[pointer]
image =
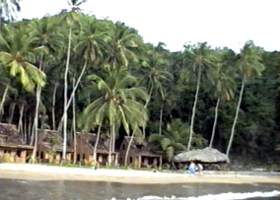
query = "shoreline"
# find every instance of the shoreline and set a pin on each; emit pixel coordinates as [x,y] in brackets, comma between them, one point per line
[38,172]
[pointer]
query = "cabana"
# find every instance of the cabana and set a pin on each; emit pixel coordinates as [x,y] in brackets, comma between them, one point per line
[12,147]
[211,158]
[140,155]
[50,147]
[85,147]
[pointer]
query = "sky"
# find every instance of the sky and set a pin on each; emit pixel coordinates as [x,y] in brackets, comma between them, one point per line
[220,23]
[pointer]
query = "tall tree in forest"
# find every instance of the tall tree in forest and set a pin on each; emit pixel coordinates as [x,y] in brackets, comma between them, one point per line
[223,77]
[250,65]
[45,39]
[90,47]
[71,17]
[200,58]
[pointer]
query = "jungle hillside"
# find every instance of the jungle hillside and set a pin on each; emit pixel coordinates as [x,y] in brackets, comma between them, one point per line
[72,72]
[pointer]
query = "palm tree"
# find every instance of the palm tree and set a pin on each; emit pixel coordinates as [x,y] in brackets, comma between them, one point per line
[16,56]
[45,40]
[70,17]
[4,82]
[201,64]
[250,64]
[8,10]
[90,46]
[224,86]
[119,103]
[124,45]
[155,71]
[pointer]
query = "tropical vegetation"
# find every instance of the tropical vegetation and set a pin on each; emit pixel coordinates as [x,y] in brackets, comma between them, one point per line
[72,65]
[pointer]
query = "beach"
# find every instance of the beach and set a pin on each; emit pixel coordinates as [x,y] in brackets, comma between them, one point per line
[53,173]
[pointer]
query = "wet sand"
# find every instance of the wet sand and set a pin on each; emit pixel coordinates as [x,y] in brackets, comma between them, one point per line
[55,173]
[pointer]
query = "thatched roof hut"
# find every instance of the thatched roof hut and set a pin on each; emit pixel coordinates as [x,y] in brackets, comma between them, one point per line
[140,155]
[86,142]
[50,140]
[207,155]
[12,147]
[9,135]
[85,147]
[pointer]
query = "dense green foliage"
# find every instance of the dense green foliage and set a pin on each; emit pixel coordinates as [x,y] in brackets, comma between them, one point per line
[126,85]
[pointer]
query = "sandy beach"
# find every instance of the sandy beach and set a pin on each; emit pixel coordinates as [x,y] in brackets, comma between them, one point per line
[50,173]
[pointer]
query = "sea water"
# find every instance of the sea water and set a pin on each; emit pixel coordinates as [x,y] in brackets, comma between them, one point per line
[77,190]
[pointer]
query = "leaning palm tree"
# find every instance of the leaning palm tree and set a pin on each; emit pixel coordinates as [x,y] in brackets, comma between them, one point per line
[224,87]
[15,54]
[71,18]
[250,64]
[155,76]
[90,47]
[201,61]
[4,83]
[45,40]
[119,103]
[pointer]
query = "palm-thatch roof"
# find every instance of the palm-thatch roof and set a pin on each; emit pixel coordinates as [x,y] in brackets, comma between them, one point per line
[207,155]
[50,140]
[9,137]
[139,147]
[86,142]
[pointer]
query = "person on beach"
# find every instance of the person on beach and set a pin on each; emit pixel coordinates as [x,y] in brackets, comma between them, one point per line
[200,168]
[192,168]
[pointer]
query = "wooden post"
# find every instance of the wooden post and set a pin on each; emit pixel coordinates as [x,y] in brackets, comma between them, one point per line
[139,161]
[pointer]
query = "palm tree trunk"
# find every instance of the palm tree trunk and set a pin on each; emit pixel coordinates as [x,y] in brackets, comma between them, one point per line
[72,94]
[236,115]
[194,108]
[12,112]
[114,139]
[3,99]
[110,148]
[53,105]
[74,126]
[160,119]
[25,130]
[146,105]
[20,119]
[65,96]
[96,143]
[34,152]
[30,132]
[0,20]
[215,123]
[128,149]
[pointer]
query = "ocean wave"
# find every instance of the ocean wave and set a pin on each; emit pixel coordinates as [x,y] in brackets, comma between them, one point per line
[222,196]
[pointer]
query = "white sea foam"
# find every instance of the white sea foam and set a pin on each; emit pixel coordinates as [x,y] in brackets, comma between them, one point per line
[222,196]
